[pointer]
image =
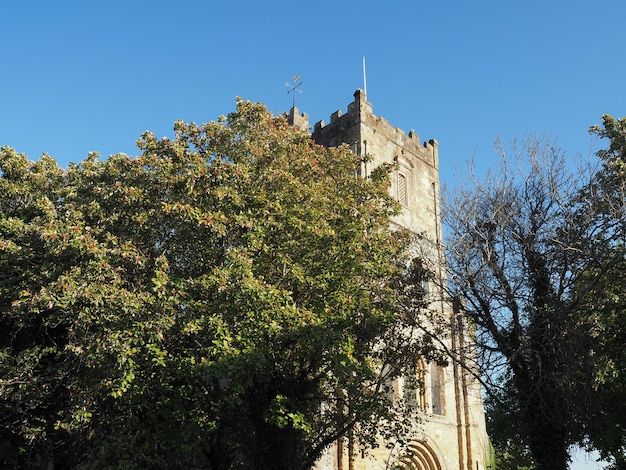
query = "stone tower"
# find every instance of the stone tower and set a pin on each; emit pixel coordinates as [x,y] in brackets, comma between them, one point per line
[450,434]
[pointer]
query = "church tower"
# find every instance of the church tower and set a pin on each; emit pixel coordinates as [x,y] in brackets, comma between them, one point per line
[450,434]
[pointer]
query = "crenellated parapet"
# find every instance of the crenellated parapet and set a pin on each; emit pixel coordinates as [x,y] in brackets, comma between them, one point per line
[360,122]
[297,119]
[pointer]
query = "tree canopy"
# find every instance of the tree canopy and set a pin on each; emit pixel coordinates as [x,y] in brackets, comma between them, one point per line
[229,299]
[605,200]
[529,246]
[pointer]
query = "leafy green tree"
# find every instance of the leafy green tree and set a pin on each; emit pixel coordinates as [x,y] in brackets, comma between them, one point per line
[34,366]
[232,298]
[604,198]
[511,449]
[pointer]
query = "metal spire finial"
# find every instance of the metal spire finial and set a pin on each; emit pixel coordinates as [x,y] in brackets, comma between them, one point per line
[364,79]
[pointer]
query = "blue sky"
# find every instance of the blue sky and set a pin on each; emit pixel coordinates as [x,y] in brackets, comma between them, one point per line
[80,76]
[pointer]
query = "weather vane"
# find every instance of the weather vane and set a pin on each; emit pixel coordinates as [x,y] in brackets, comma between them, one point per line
[293,88]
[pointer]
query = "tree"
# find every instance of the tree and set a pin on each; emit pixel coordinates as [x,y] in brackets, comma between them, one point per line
[603,201]
[232,298]
[511,449]
[34,372]
[522,258]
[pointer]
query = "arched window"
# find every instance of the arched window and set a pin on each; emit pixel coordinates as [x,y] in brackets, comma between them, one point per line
[390,386]
[437,380]
[402,189]
[415,390]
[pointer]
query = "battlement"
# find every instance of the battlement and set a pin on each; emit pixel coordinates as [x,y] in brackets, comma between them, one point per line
[360,124]
[297,119]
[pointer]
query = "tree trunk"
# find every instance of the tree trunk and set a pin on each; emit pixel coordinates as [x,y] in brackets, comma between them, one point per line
[548,442]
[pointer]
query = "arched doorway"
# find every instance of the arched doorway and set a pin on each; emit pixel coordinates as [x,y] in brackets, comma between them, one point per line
[419,456]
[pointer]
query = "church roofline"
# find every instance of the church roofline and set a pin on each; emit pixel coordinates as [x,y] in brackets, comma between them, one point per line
[360,110]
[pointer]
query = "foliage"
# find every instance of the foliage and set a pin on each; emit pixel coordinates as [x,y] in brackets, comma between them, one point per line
[503,415]
[523,258]
[228,299]
[604,199]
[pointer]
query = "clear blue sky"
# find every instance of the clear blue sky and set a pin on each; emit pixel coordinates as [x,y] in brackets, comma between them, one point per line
[77,76]
[80,76]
